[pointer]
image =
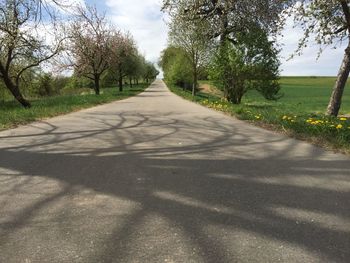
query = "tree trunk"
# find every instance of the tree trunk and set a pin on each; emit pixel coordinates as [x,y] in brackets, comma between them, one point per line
[120,81]
[130,79]
[195,81]
[15,91]
[18,96]
[97,84]
[338,90]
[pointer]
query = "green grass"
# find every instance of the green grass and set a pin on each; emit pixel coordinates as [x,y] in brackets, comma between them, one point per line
[12,114]
[299,113]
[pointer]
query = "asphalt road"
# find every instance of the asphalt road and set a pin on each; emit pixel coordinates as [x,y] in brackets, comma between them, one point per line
[155,178]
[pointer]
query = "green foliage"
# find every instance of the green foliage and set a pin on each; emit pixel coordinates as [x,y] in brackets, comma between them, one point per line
[190,35]
[176,67]
[59,83]
[45,87]
[250,63]
[4,93]
[77,85]
[150,72]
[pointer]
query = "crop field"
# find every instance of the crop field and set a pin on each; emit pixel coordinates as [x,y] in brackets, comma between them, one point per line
[303,95]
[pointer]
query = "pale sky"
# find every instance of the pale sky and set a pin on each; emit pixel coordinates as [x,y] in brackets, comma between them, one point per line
[145,21]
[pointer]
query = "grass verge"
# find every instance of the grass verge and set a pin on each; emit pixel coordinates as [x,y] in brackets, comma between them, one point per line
[12,114]
[331,133]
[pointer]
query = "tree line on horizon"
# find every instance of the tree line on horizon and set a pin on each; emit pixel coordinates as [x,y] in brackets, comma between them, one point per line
[41,40]
[235,43]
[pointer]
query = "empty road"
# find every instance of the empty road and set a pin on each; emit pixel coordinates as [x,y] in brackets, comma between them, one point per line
[155,178]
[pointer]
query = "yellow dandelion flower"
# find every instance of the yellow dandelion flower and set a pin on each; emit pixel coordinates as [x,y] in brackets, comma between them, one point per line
[343,119]
[339,126]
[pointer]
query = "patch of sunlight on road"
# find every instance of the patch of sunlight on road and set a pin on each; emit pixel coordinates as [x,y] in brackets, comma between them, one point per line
[324,220]
[333,183]
[229,176]
[307,181]
[192,202]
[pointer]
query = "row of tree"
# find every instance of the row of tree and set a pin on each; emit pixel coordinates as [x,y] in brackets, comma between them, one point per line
[235,42]
[36,33]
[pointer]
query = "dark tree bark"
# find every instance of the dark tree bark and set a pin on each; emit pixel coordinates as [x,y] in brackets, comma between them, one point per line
[338,90]
[195,80]
[120,81]
[14,89]
[18,96]
[97,84]
[130,80]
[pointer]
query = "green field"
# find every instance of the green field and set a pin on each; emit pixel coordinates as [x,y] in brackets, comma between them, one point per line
[306,95]
[12,114]
[301,95]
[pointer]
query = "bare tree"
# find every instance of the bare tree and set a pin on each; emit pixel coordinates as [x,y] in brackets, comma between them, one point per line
[89,47]
[24,26]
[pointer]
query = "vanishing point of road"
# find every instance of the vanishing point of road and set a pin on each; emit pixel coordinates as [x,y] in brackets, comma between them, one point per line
[155,178]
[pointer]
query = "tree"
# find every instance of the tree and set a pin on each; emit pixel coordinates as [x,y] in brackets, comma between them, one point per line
[176,66]
[22,45]
[191,36]
[251,63]
[90,45]
[226,18]
[150,72]
[122,52]
[328,22]
[233,22]
[135,67]
[45,85]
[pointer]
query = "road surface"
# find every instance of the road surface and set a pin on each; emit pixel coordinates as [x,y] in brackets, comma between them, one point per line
[155,178]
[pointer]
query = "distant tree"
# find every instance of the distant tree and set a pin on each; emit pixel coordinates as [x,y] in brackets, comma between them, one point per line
[122,53]
[176,66]
[22,43]
[90,45]
[191,36]
[45,85]
[328,23]
[150,72]
[135,67]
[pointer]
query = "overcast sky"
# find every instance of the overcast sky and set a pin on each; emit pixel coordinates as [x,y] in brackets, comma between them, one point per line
[145,21]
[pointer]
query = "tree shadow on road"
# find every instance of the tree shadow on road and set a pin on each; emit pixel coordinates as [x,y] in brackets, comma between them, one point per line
[215,189]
